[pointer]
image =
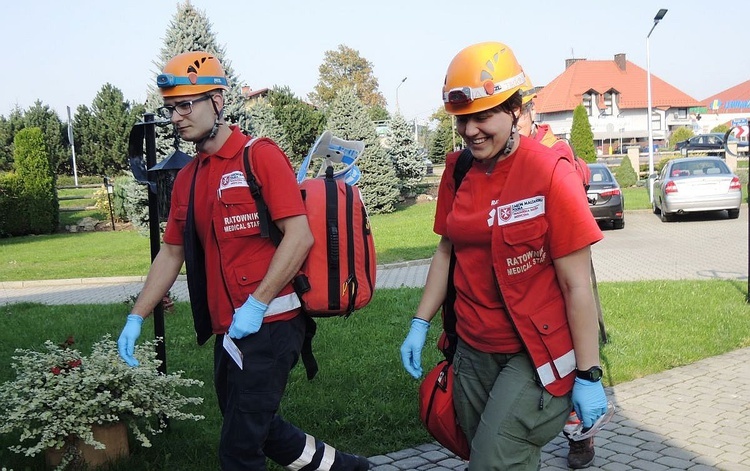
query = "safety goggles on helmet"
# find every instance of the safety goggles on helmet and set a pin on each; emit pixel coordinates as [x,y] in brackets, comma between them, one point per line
[182,108]
[465,95]
[171,80]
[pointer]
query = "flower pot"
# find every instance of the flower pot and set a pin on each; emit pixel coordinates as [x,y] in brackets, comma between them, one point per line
[113,436]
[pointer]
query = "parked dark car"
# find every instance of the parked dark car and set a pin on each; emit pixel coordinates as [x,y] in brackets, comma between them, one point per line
[712,143]
[694,184]
[606,201]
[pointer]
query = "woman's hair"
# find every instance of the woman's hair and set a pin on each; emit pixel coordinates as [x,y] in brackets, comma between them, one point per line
[511,104]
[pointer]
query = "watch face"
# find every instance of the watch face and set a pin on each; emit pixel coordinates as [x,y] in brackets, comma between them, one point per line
[595,373]
[592,374]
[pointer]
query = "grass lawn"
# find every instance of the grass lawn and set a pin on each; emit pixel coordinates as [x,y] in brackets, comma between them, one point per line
[403,235]
[362,400]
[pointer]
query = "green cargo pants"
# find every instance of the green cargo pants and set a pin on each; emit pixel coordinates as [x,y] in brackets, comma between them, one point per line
[506,415]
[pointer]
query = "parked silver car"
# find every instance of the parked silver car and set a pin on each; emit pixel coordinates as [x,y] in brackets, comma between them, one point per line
[695,184]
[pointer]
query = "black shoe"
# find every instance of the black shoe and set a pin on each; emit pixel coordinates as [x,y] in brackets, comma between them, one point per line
[581,454]
[349,462]
[364,464]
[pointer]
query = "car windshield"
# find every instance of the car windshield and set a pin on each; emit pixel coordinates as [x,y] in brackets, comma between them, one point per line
[698,167]
[600,175]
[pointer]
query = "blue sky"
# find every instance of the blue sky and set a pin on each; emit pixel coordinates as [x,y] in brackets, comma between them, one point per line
[63,52]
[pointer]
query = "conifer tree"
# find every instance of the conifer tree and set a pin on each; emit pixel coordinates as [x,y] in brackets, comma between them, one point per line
[348,119]
[263,123]
[38,192]
[407,160]
[581,137]
[190,30]
[101,133]
[302,122]
[46,119]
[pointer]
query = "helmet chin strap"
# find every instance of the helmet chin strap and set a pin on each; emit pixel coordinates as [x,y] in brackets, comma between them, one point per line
[215,128]
[511,140]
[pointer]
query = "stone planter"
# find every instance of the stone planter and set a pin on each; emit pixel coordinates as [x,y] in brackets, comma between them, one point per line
[113,436]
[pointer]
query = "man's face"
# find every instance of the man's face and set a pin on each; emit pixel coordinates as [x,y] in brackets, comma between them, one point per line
[193,116]
[526,119]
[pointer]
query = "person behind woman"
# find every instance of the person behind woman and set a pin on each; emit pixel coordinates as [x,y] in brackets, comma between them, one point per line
[528,347]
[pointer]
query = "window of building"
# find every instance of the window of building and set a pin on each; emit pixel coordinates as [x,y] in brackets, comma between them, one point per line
[588,103]
[655,121]
[609,99]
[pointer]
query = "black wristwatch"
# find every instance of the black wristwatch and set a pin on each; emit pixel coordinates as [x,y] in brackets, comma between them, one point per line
[592,374]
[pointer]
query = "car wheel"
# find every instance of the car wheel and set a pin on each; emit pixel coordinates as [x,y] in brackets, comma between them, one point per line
[733,213]
[618,223]
[655,208]
[666,217]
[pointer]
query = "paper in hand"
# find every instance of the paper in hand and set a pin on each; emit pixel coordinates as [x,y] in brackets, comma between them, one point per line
[233,350]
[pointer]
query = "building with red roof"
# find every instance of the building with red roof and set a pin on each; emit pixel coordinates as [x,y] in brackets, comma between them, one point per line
[615,95]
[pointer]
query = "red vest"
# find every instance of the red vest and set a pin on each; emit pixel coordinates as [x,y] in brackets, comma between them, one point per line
[525,274]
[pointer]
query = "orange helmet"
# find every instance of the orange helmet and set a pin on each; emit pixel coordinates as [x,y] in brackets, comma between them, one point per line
[481,77]
[191,73]
[527,91]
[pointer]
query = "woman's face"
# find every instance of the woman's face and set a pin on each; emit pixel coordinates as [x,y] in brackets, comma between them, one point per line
[486,132]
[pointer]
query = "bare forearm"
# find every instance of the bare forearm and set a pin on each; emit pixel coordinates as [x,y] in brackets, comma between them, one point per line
[574,275]
[161,277]
[288,259]
[437,281]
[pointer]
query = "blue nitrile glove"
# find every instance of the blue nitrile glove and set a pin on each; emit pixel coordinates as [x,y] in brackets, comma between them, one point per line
[128,336]
[589,401]
[411,349]
[247,318]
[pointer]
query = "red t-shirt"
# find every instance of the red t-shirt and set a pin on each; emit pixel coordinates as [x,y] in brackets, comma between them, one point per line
[482,321]
[545,135]
[218,186]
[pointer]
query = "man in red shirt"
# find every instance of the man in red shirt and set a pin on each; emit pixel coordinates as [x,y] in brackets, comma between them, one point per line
[239,282]
[527,126]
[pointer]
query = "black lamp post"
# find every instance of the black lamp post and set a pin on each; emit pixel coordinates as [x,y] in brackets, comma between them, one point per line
[159,179]
[110,189]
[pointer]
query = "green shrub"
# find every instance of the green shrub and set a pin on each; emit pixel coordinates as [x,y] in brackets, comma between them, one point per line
[31,162]
[680,134]
[12,204]
[625,174]
[581,137]
[119,197]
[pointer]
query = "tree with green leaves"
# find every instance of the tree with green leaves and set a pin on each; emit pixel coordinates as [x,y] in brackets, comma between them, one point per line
[407,160]
[345,68]
[348,119]
[445,138]
[680,134]
[263,123]
[581,137]
[101,133]
[55,134]
[8,128]
[32,165]
[302,122]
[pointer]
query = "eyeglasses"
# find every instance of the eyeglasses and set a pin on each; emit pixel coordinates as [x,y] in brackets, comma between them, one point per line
[182,108]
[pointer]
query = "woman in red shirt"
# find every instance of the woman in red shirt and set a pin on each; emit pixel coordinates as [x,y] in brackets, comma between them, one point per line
[528,347]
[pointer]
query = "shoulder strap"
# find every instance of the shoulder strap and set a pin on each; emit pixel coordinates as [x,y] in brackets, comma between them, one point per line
[463,164]
[267,227]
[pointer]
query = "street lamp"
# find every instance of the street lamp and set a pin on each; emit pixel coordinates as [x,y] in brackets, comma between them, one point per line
[659,15]
[399,86]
